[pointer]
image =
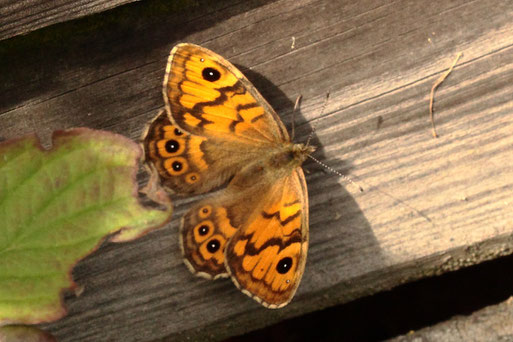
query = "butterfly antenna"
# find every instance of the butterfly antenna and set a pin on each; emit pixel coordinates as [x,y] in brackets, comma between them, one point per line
[349,180]
[310,136]
[325,103]
[346,178]
[329,168]
[296,106]
[418,212]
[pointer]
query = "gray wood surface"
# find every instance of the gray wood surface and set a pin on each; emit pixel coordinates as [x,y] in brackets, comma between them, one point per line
[493,323]
[429,206]
[23,16]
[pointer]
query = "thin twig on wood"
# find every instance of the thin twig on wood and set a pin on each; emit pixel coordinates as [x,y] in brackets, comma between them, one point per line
[296,106]
[432,95]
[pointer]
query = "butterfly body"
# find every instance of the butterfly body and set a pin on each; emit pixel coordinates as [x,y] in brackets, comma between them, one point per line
[217,129]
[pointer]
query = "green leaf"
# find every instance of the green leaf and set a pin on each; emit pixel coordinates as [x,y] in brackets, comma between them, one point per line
[24,333]
[56,206]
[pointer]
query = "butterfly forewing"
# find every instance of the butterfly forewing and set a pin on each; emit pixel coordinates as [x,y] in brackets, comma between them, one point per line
[207,96]
[266,256]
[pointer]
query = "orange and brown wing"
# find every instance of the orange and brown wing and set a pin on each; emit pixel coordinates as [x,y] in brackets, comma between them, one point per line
[210,224]
[205,231]
[266,256]
[207,96]
[190,164]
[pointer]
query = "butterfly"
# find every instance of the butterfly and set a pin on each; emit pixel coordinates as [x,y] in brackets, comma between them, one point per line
[217,130]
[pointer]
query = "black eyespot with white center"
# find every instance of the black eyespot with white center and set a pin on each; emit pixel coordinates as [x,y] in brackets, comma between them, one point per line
[213,246]
[178,132]
[211,74]
[177,166]
[284,265]
[203,230]
[172,146]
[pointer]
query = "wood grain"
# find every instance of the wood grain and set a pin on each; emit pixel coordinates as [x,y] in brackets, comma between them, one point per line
[23,16]
[430,205]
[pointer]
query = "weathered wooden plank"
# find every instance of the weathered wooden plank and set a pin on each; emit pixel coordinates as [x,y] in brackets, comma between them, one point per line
[493,323]
[23,16]
[378,61]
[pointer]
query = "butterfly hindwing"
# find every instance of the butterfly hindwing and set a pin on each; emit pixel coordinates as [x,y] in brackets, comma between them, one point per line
[210,224]
[205,231]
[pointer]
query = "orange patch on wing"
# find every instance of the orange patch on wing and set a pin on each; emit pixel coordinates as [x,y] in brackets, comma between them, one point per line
[203,93]
[265,261]
[191,120]
[224,223]
[220,112]
[243,99]
[251,113]
[264,233]
[168,128]
[242,127]
[188,101]
[240,247]
[286,212]
[275,207]
[196,154]
[249,262]
[218,125]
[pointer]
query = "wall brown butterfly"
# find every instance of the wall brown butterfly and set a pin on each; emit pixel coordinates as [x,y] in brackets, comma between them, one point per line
[217,129]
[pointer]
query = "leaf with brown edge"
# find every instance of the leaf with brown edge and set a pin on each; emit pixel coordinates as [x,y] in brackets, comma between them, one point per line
[56,207]
[24,333]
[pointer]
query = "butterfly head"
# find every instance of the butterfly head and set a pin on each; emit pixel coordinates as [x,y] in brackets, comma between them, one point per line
[300,152]
[290,156]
